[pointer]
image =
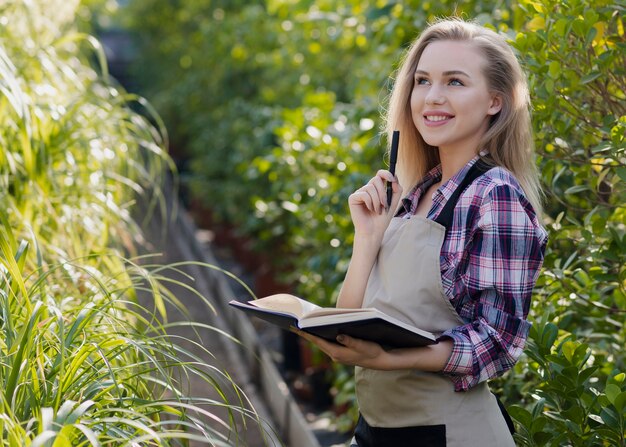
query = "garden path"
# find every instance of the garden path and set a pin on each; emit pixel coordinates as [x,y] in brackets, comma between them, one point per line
[168,241]
[253,362]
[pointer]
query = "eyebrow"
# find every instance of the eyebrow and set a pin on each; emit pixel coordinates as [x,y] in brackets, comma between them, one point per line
[445,73]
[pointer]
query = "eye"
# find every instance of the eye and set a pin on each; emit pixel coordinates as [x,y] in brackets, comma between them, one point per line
[420,80]
[456,82]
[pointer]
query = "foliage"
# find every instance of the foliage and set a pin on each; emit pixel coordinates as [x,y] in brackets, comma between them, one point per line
[570,406]
[75,372]
[267,76]
[82,361]
[277,106]
[576,59]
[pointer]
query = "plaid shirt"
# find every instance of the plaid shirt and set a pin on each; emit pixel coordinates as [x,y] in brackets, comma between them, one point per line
[490,260]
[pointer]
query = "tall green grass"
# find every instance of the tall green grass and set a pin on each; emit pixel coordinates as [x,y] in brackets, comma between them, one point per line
[82,361]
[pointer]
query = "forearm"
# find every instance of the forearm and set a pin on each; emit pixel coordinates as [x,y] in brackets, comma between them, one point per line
[431,358]
[353,351]
[371,217]
[364,252]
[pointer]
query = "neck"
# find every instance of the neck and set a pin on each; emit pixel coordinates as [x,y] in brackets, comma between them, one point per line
[452,162]
[456,155]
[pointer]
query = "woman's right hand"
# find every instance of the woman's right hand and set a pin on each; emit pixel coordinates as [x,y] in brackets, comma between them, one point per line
[368,205]
[371,217]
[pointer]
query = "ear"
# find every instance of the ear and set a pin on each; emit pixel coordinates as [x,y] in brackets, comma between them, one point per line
[496,104]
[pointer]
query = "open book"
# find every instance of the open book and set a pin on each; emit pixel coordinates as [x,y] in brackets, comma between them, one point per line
[286,310]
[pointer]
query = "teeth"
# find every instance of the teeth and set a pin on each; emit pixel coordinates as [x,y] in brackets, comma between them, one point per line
[436,118]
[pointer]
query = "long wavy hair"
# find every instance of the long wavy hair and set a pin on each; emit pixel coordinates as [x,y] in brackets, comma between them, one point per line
[508,141]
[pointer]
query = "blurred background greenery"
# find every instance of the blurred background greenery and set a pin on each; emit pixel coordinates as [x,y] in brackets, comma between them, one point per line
[274,107]
[273,114]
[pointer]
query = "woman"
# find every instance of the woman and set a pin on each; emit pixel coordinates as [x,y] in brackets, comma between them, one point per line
[458,256]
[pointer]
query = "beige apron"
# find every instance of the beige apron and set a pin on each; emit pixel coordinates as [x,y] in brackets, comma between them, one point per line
[406,283]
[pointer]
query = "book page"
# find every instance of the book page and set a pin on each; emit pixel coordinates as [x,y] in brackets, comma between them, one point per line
[322,311]
[285,303]
[324,318]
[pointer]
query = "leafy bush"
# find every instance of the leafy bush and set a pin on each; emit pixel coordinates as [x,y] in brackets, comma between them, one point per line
[277,105]
[576,62]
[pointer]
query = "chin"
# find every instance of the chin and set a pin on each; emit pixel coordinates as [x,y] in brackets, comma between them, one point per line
[433,142]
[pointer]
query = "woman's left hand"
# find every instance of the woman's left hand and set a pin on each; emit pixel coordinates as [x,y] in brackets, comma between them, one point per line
[354,351]
[350,351]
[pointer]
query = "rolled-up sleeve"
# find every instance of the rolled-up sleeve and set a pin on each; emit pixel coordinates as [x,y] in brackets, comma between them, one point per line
[496,276]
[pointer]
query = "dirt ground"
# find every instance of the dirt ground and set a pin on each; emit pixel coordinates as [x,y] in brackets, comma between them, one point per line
[210,346]
[170,240]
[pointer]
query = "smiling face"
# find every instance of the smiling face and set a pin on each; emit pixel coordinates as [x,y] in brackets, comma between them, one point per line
[450,103]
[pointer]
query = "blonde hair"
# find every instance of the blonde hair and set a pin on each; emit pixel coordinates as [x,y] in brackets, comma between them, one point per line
[508,140]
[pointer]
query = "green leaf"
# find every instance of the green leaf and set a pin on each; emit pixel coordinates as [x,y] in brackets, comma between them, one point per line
[608,437]
[612,391]
[575,415]
[542,438]
[19,349]
[536,24]
[591,35]
[520,414]
[590,77]
[43,438]
[620,402]
[573,427]
[538,408]
[548,336]
[571,372]
[554,69]
[585,374]
[568,348]
[578,25]
[561,26]
[558,359]
[581,354]
[610,418]
[619,378]
[576,189]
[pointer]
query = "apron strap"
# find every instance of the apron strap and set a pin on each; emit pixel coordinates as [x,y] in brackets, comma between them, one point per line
[445,216]
[506,415]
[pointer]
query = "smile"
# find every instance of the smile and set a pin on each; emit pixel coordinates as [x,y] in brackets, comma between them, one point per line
[432,120]
[437,117]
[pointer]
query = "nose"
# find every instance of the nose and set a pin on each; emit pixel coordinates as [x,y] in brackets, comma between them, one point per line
[435,96]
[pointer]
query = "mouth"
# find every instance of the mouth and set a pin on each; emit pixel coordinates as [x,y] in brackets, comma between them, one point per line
[438,119]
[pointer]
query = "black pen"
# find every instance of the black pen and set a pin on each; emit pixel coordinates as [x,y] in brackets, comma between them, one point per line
[393,156]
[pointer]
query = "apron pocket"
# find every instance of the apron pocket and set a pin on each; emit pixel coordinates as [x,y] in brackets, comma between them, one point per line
[418,436]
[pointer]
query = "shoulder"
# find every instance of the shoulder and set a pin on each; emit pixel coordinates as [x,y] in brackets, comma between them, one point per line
[497,198]
[499,179]
[497,185]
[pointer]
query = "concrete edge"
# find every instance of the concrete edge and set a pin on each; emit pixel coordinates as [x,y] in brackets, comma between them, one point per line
[264,386]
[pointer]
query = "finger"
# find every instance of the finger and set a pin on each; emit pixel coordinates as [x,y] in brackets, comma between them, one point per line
[381,190]
[396,196]
[376,206]
[344,340]
[361,198]
[324,345]
[302,334]
[385,175]
[351,342]
[364,197]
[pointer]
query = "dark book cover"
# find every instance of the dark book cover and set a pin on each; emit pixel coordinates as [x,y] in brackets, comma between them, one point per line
[371,328]
[386,334]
